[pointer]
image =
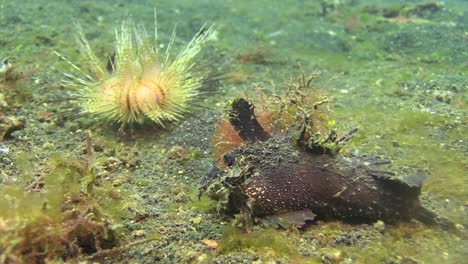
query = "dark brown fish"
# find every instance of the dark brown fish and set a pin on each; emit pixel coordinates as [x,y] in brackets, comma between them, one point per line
[272,175]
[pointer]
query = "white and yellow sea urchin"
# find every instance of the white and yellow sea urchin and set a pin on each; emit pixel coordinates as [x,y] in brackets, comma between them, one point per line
[145,83]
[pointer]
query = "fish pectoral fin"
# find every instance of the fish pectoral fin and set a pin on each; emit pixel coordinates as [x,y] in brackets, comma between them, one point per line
[296,218]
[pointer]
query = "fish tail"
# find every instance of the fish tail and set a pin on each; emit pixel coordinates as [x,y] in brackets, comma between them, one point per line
[429,218]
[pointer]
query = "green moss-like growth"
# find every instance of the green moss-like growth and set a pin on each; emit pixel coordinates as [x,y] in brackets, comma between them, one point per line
[65,214]
[299,110]
[204,203]
[417,139]
[268,244]
[406,242]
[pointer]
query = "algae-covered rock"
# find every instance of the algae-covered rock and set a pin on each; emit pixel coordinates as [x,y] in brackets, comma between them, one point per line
[8,125]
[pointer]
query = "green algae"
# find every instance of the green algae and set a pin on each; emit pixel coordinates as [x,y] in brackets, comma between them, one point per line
[365,244]
[65,213]
[268,245]
[419,139]
[204,203]
[417,245]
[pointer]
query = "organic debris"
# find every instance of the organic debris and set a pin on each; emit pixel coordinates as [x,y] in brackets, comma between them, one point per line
[65,214]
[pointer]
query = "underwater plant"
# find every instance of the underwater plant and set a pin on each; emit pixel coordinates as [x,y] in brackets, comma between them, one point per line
[143,82]
[300,104]
[6,70]
[66,214]
[13,83]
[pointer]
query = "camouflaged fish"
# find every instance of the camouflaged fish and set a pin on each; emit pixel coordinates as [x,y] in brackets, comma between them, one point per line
[270,175]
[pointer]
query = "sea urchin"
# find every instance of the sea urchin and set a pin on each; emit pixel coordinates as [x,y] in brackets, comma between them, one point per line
[145,82]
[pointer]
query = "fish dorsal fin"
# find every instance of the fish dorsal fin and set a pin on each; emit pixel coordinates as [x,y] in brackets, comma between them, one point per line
[415,180]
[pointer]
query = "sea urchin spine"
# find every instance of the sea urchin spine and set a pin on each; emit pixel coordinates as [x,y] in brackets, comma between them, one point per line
[145,82]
